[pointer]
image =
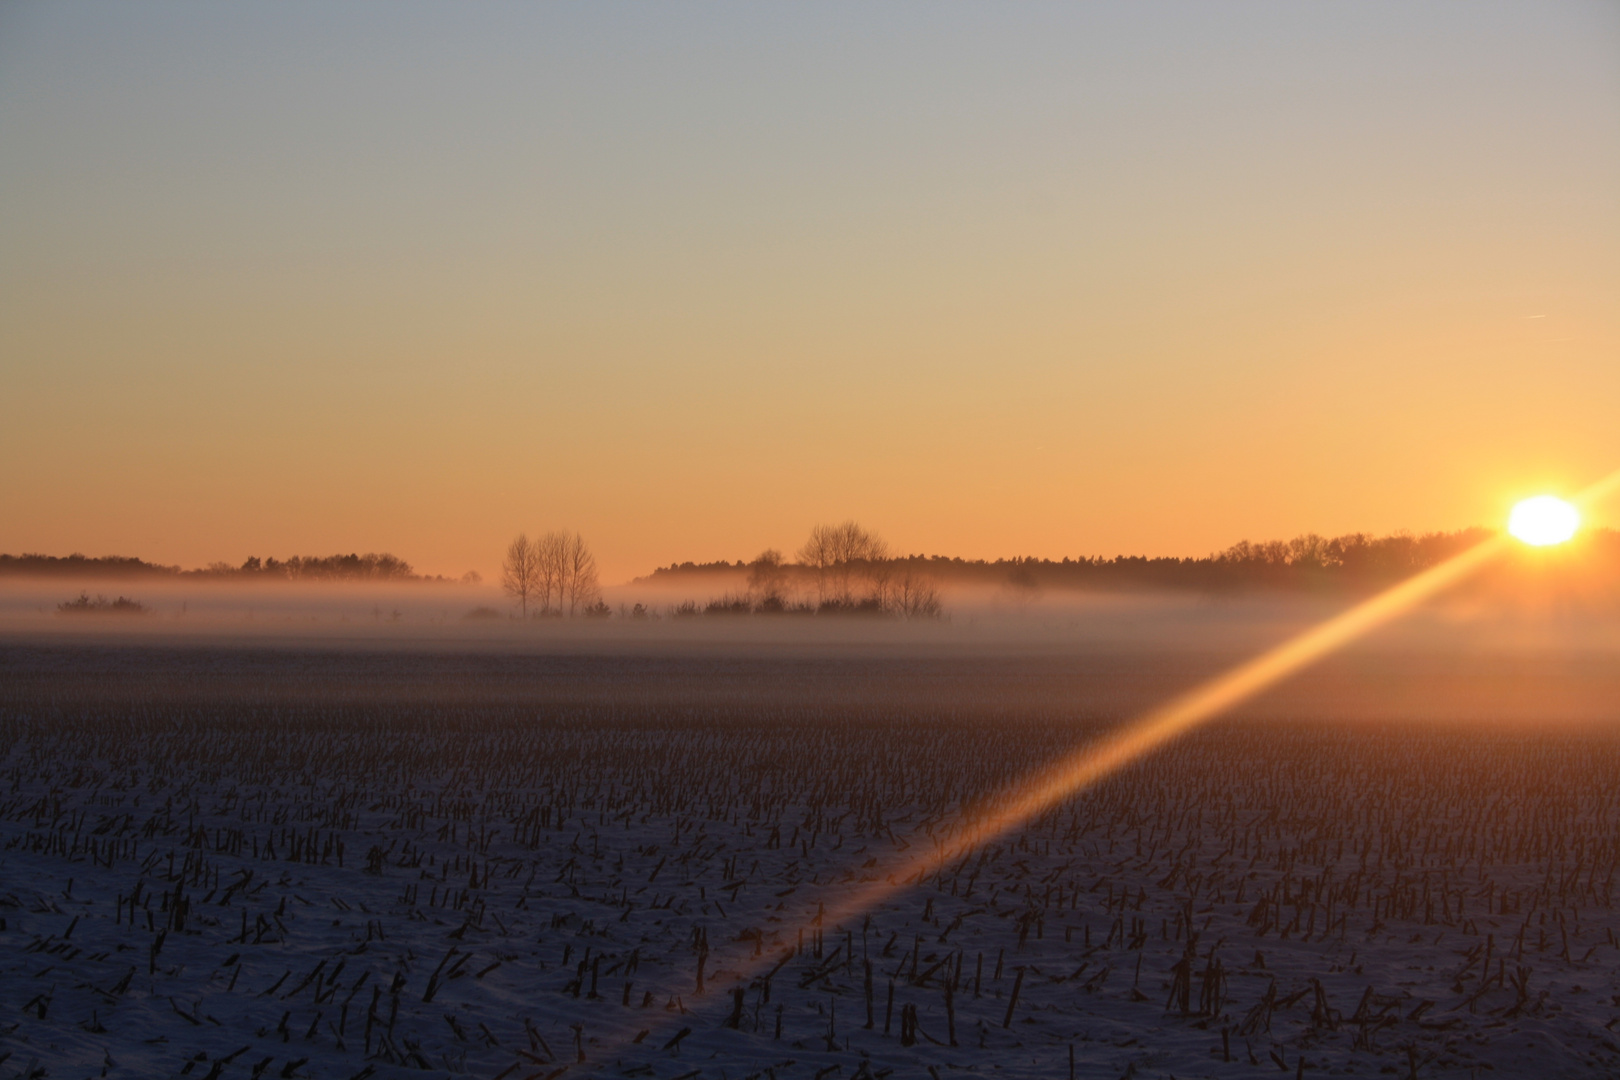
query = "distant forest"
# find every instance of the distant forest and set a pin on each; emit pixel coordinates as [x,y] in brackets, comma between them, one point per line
[1356,562]
[836,568]
[368,567]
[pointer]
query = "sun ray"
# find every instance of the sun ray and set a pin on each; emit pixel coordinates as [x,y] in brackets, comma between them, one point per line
[1090,764]
[1140,737]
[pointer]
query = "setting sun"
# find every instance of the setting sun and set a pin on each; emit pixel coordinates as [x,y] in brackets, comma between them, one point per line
[1544,520]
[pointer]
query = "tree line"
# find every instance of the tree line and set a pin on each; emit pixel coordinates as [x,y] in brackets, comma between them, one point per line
[855,572]
[841,569]
[841,565]
[849,571]
[372,566]
[368,567]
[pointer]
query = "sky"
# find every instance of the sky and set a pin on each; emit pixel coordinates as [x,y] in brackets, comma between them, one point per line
[993,280]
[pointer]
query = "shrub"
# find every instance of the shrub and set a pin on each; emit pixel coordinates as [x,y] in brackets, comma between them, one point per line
[101,606]
[728,605]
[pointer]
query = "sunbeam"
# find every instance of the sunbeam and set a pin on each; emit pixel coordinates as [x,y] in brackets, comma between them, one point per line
[1197,706]
[1019,803]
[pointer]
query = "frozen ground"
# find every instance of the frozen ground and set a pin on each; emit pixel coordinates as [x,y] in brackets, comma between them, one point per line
[228,864]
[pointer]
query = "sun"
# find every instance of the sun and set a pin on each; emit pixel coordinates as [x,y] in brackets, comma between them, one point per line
[1544,520]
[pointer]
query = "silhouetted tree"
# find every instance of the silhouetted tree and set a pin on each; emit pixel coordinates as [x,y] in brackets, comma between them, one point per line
[817,554]
[915,596]
[580,590]
[566,579]
[550,557]
[840,555]
[520,572]
[766,575]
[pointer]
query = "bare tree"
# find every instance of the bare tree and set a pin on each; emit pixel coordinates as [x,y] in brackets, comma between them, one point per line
[564,574]
[551,554]
[841,555]
[817,554]
[916,597]
[579,582]
[765,577]
[520,572]
[861,557]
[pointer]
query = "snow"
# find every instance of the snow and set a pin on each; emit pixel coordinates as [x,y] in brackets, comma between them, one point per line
[290,882]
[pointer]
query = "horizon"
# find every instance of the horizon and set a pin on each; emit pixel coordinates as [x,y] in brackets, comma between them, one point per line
[791,556]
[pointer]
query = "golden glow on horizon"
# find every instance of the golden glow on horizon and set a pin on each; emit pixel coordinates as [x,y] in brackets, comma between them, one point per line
[1018,804]
[1544,520]
[1090,764]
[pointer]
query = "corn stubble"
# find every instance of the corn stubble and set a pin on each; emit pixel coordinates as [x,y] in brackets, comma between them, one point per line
[233,876]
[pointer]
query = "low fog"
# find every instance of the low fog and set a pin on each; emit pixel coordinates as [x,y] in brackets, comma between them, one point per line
[654,612]
[1467,655]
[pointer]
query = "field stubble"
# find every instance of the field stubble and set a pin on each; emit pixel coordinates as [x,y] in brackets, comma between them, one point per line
[272,863]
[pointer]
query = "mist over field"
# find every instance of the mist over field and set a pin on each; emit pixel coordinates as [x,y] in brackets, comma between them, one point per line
[973,617]
[1464,656]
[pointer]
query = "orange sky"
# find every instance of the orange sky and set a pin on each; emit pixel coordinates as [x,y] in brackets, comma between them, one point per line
[1147,279]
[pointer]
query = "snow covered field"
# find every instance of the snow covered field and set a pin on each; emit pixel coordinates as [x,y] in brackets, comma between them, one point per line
[223,864]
